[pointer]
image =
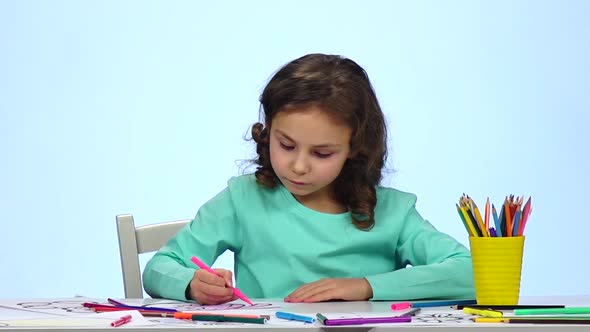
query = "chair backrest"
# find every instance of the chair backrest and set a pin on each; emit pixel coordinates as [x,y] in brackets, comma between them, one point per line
[134,241]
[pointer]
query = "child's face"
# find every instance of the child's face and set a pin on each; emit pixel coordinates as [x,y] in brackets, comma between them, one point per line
[308,149]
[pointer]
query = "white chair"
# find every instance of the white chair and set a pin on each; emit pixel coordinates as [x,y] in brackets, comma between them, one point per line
[134,241]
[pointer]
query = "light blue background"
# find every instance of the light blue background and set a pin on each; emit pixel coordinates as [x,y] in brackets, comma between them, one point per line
[111,107]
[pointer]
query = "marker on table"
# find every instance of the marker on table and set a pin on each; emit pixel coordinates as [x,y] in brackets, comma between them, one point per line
[401,306]
[204,266]
[411,312]
[292,316]
[360,320]
[483,312]
[123,320]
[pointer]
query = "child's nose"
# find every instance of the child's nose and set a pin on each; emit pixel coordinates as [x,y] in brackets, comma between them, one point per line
[300,164]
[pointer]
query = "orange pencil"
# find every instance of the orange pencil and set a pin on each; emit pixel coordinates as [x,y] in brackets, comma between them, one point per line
[508,217]
[487,216]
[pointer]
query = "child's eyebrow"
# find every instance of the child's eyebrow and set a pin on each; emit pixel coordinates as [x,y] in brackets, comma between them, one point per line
[324,145]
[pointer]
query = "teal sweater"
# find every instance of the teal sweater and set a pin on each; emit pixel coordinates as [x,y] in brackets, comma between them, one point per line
[279,245]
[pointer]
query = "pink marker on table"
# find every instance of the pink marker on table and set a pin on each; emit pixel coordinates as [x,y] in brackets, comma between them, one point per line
[401,306]
[121,321]
[204,266]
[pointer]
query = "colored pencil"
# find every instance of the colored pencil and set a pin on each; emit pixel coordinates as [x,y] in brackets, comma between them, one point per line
[526,212]
[497,221]
[554,311]
[480,221]
[441,303]
[487,216]
[508,217]
[508,307]
[464,218]
[224,318]
[543,320]
[509,222]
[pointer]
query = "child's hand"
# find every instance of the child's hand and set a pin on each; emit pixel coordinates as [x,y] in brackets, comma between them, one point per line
[348,289]
[207,288]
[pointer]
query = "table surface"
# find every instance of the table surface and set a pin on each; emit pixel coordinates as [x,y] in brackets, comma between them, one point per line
[16,314]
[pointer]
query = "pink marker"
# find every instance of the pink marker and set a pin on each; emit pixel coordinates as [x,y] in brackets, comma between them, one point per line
[203,266]
[123,320]
[401,306]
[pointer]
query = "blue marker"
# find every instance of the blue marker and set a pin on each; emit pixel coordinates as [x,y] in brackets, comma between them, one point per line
[291,316]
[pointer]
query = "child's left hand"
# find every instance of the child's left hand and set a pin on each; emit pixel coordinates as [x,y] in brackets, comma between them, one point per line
[348,289]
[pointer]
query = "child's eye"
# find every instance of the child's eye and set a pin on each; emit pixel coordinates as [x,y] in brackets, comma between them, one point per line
[323,155]
[286,147]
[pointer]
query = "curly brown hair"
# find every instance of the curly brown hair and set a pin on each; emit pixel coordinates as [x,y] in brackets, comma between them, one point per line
[342,88]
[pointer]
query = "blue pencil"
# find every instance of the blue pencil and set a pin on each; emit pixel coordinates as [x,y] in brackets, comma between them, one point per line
[497,221]
[516,222]
[442,303]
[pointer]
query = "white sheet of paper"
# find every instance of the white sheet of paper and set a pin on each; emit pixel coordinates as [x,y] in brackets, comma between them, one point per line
[94,320]
[56,306]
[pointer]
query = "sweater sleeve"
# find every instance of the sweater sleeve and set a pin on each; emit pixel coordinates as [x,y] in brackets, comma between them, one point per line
[213,231]
[440,266]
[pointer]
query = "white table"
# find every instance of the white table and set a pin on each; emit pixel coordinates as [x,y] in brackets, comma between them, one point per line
[426,320]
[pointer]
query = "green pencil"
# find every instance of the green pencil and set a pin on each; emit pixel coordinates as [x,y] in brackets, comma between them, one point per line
[553,311]
[221,318]
[463,220]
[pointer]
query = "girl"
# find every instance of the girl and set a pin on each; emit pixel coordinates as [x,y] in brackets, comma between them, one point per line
[312,223]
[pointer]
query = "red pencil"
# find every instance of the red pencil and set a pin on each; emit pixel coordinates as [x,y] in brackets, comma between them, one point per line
[508,217]
[526,211]
[143,312]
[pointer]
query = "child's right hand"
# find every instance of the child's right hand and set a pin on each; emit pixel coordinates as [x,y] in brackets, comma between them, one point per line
[207,288]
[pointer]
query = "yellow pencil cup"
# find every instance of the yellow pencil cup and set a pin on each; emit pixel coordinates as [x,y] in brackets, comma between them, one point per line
[497,264]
